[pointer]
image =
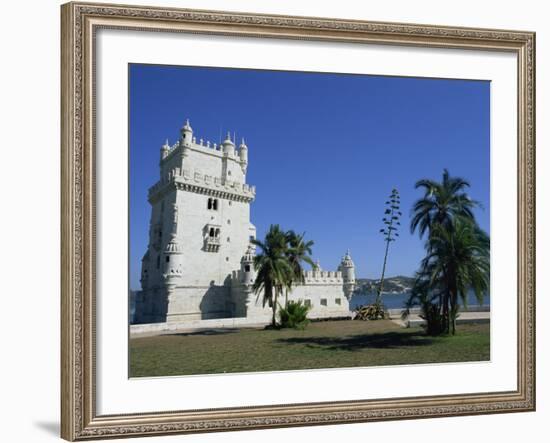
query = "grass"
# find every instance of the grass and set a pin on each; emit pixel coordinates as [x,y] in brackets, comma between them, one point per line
[331,344]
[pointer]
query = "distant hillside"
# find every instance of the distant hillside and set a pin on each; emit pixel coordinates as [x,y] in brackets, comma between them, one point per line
[393,285]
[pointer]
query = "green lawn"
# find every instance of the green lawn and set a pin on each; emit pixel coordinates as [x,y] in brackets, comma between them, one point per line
[331,344]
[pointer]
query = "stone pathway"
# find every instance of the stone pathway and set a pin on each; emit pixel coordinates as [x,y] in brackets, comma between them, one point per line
[465,317]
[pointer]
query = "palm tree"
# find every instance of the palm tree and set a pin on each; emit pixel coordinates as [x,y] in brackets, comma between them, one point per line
[273,268]
[457,261]
[298,251]
[441,203]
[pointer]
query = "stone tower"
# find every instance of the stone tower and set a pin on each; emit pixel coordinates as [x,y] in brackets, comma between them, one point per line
[199,230]
[347,268]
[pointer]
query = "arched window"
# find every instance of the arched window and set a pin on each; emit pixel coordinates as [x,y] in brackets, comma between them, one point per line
[217,233]
[212,232]
[215,204]
[209,203]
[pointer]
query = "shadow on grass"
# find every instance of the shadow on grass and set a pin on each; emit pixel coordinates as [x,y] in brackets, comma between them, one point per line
[205,332]
[386,340]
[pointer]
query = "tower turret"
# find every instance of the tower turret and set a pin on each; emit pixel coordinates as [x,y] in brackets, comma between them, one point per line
[172,253]
[164,150]
[228,146]
[243,155]
[347,268]
[247,266]
[172,260]
[186,133]
[144,280]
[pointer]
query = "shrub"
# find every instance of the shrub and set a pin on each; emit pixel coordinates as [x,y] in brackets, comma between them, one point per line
[375,311]
[294,315]
[430,308]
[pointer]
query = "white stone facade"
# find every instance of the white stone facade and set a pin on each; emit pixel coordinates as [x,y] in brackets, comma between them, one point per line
[199,262]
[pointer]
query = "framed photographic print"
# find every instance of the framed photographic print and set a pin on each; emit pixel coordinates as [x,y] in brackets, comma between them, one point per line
[282,221]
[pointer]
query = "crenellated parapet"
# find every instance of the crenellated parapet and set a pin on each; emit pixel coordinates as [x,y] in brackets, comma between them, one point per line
[318,276]
[225,149]
[195,181]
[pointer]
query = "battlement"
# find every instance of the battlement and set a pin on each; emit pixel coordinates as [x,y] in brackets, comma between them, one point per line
[187,179]
[320,276]
[310,277]
[203,146]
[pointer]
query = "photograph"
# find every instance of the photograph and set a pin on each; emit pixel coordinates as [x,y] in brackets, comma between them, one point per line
[293,218]
[288,220]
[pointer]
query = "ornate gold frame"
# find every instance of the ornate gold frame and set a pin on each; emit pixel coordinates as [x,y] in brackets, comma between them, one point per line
[79,420]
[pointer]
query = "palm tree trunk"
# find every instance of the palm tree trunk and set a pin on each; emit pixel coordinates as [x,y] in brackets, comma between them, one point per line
[274,317]
[454,310]
[446,312]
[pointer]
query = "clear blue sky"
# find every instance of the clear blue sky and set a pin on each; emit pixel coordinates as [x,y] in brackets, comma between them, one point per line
[325,150]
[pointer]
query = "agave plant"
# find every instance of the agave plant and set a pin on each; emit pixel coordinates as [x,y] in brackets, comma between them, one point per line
[375,311]
[392,214]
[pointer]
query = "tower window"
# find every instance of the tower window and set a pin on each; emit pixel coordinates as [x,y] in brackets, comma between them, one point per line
[228,222]
[338,301]
[212,232]
[228,239]
[246,268]
[323,302]
[167,258]
[212,204]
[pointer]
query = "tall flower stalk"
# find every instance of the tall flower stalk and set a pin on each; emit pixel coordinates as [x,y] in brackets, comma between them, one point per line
[391,221]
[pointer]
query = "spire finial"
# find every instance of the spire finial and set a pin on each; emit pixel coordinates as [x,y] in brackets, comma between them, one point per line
[187,125]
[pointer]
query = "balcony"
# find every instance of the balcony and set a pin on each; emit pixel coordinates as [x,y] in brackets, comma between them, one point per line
[212,240]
